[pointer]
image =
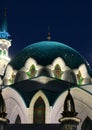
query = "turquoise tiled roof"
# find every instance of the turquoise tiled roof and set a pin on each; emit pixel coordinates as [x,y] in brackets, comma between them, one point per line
[45,52]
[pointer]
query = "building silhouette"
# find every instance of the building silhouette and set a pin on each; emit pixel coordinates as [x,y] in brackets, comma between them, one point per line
[34,85]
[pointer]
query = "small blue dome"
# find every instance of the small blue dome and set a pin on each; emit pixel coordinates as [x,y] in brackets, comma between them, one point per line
[4,35]
[45,52]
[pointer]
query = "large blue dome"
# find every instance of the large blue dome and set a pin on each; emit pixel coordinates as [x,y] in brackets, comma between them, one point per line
[45,52]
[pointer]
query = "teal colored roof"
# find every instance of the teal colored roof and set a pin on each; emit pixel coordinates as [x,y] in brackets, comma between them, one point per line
[45,52]
[28,88]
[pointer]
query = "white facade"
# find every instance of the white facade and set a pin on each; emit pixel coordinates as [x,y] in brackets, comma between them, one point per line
[21,107]
[15,106]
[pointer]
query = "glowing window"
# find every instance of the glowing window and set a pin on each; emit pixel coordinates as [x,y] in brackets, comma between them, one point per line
[4,53]
[80,78]
[57,71]
[39,111]
[0,51]
[32,71]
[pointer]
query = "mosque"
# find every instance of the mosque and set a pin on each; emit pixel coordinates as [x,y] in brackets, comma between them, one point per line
[47,82]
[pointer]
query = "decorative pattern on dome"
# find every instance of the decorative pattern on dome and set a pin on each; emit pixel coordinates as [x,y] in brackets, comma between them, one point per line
[32,71]
[57,71]
[80,78]
[45,52]
[51,59]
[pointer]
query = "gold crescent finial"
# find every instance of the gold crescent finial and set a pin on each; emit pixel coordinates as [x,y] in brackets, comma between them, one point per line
[49,34]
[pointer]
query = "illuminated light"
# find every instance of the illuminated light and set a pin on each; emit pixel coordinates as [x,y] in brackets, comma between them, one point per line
[42,79]
[5,58]
[31,61]
[70,118]
[59,61]
[5,42]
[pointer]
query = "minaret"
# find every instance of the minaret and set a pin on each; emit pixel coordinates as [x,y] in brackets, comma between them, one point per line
[69,120]
[3,119]
[5,43]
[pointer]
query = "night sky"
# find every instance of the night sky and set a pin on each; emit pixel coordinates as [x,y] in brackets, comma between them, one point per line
[70,22]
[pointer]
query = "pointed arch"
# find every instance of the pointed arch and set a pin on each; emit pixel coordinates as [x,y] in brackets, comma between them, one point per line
[39,97]
[15,105]
[18,120]
[39,111]
[87,124]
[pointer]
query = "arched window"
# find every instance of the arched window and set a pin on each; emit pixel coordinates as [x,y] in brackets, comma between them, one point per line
[80,78]
[18,120]
[32,71]
[87,124]
[0,51]
[4,52]
[57,71]
[39,111]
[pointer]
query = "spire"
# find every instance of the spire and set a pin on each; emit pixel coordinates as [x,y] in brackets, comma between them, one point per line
[69,120]
[4,30]
[4,23]
[49,34]
[69,106]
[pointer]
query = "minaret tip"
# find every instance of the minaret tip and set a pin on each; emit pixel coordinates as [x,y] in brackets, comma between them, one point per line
[69,106]
[49,34]
[4,29]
